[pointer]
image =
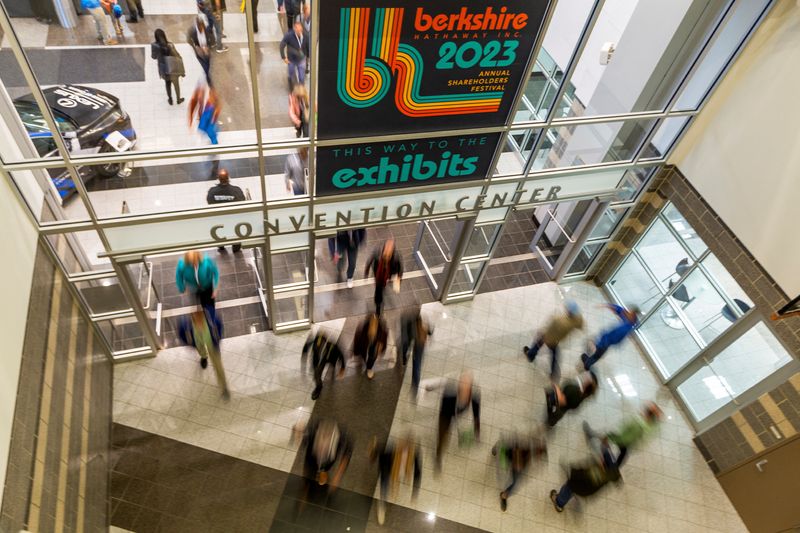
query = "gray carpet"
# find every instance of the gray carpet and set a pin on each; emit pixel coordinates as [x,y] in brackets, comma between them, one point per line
[79,66]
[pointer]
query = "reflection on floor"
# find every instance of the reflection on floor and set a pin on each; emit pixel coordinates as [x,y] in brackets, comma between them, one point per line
[667,485]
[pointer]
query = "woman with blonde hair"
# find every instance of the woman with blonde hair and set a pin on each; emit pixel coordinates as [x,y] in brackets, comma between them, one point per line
[298,109]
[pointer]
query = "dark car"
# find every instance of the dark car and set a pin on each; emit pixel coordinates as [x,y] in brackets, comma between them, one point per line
[90,121]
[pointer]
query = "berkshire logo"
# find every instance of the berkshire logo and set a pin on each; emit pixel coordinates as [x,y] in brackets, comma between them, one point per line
[364,80]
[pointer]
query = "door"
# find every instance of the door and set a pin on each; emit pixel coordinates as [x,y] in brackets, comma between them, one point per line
[766,490]
[557,238]
[437,248]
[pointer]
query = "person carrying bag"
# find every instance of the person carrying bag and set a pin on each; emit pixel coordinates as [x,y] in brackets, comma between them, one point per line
[170,64]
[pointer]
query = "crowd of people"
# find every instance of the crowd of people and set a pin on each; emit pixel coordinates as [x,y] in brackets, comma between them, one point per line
[329,446]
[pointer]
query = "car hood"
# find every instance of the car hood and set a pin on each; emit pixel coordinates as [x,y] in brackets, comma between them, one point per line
[80,104]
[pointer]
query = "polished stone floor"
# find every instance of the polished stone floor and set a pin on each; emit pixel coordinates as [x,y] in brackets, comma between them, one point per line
[667,486]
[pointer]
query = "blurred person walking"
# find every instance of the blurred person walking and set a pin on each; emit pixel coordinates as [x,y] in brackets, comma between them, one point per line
[170,64]
[554,332]
[328,449]
[325,351]
[295,169]
[455,401]
[298,110]
[631,433]
[629,319]
[294,50]
[414,332]
[514,456]
[400,461]
[587,478]
[343,246]
[204,106]
[222,193]
[293,10]
[569,395]
[95,9]
[135,10]
[203,330]
[369,341]
[199,274]
[201,39]
[385,264]
[212,10]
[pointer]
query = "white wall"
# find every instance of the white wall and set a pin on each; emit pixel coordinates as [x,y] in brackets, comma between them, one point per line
[743,151]
[19,249]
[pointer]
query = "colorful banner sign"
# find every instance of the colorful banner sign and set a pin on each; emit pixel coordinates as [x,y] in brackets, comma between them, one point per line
[398,164]
[403,66]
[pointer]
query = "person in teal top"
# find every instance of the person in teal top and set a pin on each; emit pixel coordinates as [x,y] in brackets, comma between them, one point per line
[200,275]
[632,432]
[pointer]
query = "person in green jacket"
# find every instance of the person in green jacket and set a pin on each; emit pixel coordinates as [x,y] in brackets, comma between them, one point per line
[200,275]
[632,432]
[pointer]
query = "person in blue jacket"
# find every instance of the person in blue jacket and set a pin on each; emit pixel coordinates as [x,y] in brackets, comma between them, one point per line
[629,319]
[200,275]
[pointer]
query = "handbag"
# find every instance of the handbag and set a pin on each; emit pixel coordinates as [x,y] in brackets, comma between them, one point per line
[174,63]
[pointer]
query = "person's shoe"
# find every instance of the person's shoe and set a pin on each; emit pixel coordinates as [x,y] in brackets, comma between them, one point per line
[503,502]
[587,429]
[180,100]
[370,374]
[222,50]
[204,362]
[226,394]
[381,512]
[169,100]
[349,283]
[111,42]
[494,453]
[315,393]
[553,495]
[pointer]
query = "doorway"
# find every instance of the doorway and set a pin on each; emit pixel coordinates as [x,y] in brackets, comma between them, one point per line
[240,302]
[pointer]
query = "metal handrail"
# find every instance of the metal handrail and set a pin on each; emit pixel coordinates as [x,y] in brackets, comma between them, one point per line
[553,217]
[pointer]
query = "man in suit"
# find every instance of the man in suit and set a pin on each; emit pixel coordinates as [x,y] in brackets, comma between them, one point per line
[294,51]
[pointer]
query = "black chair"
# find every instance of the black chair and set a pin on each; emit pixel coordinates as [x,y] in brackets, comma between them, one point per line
[728,313]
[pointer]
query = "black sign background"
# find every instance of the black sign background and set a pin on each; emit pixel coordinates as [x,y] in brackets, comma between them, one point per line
[330,160]
[337,119]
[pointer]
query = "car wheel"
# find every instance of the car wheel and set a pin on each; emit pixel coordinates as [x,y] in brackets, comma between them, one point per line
[109,170]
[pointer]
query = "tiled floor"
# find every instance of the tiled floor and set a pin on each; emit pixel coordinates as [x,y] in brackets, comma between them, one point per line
[667,485]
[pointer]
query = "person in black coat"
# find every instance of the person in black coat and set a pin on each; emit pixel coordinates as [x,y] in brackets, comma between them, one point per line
[385,264]
[369,341]
[168,70]
[345,246]
[295,50]
[455,401]
[325,351]
[202,39]
[414,332]
[569,395]
[587,478]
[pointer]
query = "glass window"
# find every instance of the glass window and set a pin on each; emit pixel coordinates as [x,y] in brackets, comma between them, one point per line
[663,254]
[726,281]
[516,152]
[558,46]
[79,251]
[480,242]
[466,276]
[165,185]
[740,22]
[637,55]
[589,144]
[632,182]
[607,223]
[584,258]
[664,138]
[633,285]
[50,194]
[751,358]
[705,308]
[687,233]
[669,343]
